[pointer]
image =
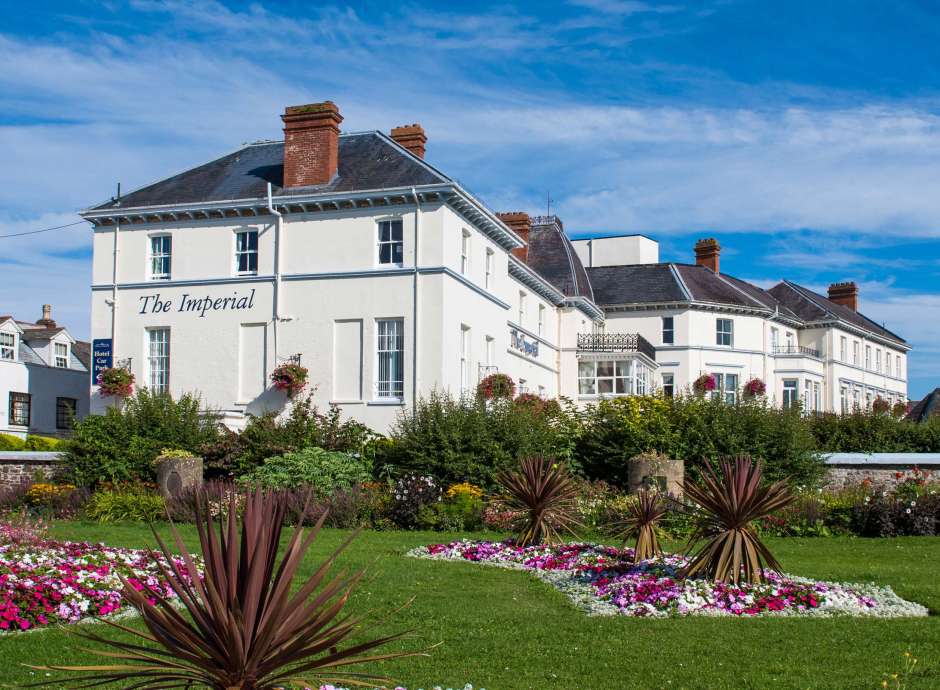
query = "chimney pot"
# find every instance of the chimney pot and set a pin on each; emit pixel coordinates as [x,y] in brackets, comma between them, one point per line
[311,143]
[411,137]
[845,294]
[520,223]
[46,319]
[708,254]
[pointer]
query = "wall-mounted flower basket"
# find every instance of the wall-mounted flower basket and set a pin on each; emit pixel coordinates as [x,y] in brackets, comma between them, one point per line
[754,388]
[496,386]
[290,378]
[880,406]
[116,381]
[704,383]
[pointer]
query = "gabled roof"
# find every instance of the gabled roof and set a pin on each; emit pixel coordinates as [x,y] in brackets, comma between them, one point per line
[82,352]
[811,306]
[367,161]
[926,408]
[551,255]
[665,283]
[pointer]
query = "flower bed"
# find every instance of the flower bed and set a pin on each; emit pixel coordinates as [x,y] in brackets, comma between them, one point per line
[603,581]
[46,582]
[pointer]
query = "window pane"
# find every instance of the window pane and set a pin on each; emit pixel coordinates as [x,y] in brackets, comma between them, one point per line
[605,369]
[385,231]
[385,254]
[587,387]
[398,248]
[605,385]
[586,369]
[396,230]
[624,368]
[621,386]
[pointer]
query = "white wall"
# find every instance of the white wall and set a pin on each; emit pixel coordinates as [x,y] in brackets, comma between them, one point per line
[617,251]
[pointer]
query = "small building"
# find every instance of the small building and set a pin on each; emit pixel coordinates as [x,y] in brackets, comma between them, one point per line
[926,408]
[43,377]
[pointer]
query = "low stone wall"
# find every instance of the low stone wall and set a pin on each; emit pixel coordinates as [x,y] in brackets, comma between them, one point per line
[17,466]
[847,469]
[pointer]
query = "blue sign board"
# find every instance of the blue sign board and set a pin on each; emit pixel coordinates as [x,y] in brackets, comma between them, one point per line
[101,356]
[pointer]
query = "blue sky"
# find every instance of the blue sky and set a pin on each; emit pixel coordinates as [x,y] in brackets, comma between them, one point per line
[804,135]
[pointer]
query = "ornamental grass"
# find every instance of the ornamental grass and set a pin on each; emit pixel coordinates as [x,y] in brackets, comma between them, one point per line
[243,625]
[544,495]
[641,523]
[731,501]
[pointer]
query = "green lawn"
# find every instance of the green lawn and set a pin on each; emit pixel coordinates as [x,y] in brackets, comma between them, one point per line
[503,630]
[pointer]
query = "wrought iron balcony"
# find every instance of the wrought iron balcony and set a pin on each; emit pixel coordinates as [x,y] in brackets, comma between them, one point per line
[616,342]
[795,350]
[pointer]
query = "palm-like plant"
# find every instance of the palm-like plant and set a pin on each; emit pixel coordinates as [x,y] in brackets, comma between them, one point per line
[545,496]
[732,500]
[245,629]
[641,522]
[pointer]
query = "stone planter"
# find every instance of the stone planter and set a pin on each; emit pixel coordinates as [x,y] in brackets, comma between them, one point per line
[654,470]
[178,475]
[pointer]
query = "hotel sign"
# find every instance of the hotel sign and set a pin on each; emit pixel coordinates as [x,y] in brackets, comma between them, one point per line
[152,304]
[518,341]
[102,356]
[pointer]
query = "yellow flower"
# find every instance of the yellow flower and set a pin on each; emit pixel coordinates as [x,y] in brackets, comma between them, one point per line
[464,489]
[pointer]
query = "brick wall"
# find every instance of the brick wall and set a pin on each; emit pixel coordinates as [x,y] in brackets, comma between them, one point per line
[847,469]
[19,466]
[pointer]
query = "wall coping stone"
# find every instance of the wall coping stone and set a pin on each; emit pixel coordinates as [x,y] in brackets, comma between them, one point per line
[871,459]
[28,456]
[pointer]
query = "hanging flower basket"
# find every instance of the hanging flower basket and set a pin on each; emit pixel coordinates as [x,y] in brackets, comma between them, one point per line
[290,378]
[880,406]
[496,386]
[704,383]
[754,388]
[116,381]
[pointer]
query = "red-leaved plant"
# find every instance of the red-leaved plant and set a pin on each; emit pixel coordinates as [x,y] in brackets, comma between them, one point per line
[245,625]
[704,383]
[544,497]
[754,388]
[116,381]
[496,386]
[290,377]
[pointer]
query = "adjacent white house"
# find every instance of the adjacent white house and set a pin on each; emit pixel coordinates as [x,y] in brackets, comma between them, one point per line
[44,377]
[387,279]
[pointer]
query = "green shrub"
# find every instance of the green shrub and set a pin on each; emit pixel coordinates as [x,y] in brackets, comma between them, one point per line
[130,503]
[696,429]
[121,444]
[267,435]
[42,443]
[326,471]
[869,432]
[11,442]
[468,439]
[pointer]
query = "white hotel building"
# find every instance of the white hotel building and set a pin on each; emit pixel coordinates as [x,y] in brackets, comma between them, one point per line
[388,280]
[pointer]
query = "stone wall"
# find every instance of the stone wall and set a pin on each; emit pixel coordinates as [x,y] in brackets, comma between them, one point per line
[847,469]
[19,466]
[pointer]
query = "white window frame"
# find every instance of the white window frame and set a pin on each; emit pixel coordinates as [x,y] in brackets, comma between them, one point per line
[897,369]
[791,393]
[878,361]
[844,399]
[522,307]
[464,252]
[60,361]
[249,252]
[488,269]
[669,326]
[843,349]
[669,385]
[721,334]
[391,242]
[855,352]
[489,350]
[8,349]
[724,390]
[541,323]
[465,382]
[157,357]
[620,373]
[390,342]
[165,254]
[868,357]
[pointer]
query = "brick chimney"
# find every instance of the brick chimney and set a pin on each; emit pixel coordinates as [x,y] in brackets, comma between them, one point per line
[411,137]
[520,223]
[845,294]
[311,143]
[46,319]
[707,253]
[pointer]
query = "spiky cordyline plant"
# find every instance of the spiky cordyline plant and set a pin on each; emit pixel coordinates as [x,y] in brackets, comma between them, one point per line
[245,628]
[641,523]
[545,495]
[732,499]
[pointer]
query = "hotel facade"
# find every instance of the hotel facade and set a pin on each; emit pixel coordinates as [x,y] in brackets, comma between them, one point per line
[387,280]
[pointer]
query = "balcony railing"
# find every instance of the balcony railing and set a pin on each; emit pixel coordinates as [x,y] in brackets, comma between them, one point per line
[616,342]
[795,350]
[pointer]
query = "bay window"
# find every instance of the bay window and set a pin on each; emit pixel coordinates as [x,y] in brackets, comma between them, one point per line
[790,393]
[613,377]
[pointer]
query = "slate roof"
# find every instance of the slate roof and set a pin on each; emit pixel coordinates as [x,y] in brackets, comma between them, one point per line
[811,306]
[82,352]
[663,283]
[551,255]
[926,408]
[368,160]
